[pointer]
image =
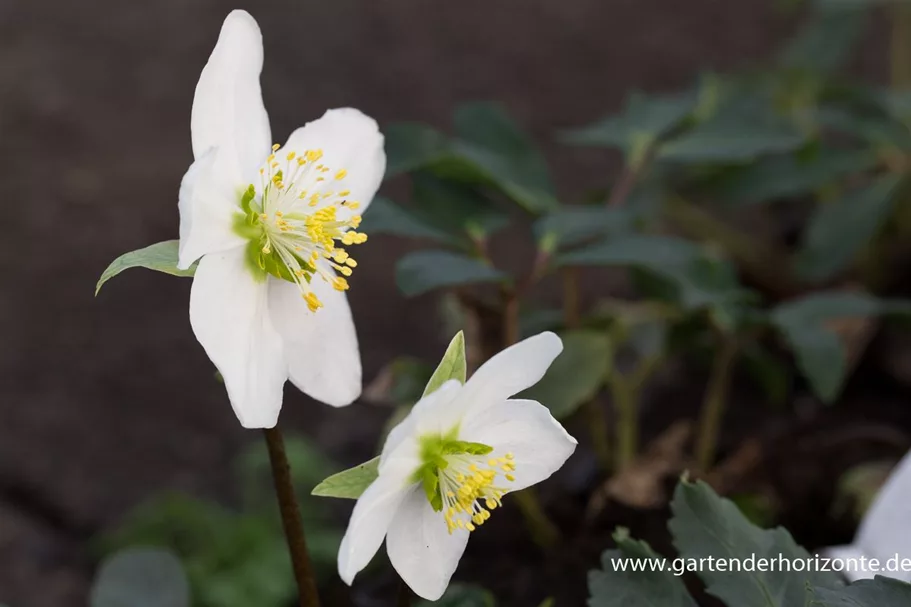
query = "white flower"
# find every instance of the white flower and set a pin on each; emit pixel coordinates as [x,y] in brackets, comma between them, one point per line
[270,225]
[447,466]
[884,532]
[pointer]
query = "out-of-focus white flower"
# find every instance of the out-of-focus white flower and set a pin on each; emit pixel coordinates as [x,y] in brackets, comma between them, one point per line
[269,225]
[446,467]
[884,533]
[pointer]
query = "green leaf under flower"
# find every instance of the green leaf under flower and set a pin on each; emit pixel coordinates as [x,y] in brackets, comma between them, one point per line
[161,257]
[350,483]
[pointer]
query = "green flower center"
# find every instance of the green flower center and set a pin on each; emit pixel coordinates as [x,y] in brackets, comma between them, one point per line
[296,224]
[461,480]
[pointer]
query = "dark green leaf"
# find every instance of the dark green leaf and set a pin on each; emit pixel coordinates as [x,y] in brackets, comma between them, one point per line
[616,585]
[572,225]
[780,177]
[349,483]
[455,208]
[411,146]
[705,525]
[878,592]
[586,358]
[425,271]
[385,217]
[495,145]
[699,278]
[141,577]
[452,365]
[839,230]
[643,121]
[875,129]
[744,129]
[161,257]
[826,41]
[820,354]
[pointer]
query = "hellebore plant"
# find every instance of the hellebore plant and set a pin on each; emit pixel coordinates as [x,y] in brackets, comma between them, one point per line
[271,226]
[447,466]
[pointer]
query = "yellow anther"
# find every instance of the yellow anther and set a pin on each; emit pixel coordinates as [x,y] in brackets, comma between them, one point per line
[313,301]
[350,262]
[270,158]
[314,155]
[291,155]
[301,161]
[341,174]
[345,271]
[510,477]
[344,193]
[275,147]
[354,205]
[339,284]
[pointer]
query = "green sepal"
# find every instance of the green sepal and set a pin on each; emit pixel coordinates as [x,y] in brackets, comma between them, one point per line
[246,202]
[431,482]
[458,446]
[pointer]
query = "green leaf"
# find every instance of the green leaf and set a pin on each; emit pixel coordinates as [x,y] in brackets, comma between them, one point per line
[161,257]
[573,225]
[839,230]
[141,577]
[872,128]
[820,354]
[698,278]
[741,131]
[385,217]
[411,146]
[452,365]
[455,208]
[616,585]
[705,525]
[587,355]
[825,42]
[425,271]
[489,139]
[879,592]
[643,121]
[350,483]
[462,595]
[778,177]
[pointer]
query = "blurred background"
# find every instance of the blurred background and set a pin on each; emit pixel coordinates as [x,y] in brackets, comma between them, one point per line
[107,401]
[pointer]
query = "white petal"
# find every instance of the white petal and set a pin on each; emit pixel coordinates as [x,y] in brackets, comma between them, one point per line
[857,557]
[372,515]
[885,529]
[207,204]
[428,414]
[539,444]
[320,347]
[420,547]
[514,369]
[350,140]
[229,314]
[228,110]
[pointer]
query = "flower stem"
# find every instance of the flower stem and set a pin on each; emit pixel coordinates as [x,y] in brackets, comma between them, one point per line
[543,531]
[571,297]
[713,406]
[291,520]
[627,422]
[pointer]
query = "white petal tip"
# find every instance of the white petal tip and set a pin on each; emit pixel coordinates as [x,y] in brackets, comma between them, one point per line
[240,18]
